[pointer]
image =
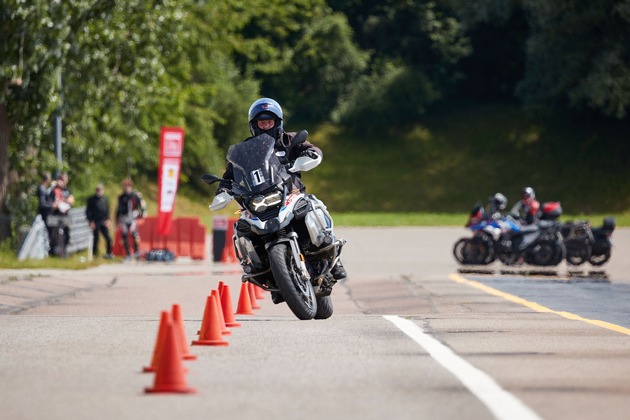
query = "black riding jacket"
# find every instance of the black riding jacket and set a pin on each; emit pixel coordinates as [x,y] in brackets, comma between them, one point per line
[97,210]
[291,153]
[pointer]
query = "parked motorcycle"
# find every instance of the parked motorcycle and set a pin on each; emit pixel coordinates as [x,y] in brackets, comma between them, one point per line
[578,240]
[284,238]
[540,244]
[504,238]
[602,242]
[480,248]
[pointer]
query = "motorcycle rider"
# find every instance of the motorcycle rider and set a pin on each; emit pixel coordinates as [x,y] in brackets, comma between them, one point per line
[266,117]
[527,210]
[496,204]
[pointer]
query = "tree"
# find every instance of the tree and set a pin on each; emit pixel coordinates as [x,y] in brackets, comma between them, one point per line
[415,48]
[578,56]
[107,54]
[320,69]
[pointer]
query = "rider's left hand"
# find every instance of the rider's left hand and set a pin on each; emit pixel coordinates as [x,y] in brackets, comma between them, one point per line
[310,154]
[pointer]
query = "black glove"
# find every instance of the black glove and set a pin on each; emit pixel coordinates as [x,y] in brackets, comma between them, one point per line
[221,190]
[310,153]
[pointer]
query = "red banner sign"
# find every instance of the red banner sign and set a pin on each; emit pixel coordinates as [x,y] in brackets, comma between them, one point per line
[171,150]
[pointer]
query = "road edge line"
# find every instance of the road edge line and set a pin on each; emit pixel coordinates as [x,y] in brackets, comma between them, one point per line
[538,307]
[502,404]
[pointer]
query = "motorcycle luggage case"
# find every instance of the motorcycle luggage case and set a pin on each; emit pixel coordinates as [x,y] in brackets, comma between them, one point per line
[551,210]
[609,224]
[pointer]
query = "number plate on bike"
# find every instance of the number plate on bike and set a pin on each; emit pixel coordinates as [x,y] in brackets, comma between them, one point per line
[257,177]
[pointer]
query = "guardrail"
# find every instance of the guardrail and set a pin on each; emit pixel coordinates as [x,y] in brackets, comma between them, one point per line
[80,232]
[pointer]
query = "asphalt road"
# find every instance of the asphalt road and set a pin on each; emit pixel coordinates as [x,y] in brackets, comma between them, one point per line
[72,344]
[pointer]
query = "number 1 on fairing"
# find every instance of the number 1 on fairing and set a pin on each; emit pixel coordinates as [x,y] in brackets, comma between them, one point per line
[257,177]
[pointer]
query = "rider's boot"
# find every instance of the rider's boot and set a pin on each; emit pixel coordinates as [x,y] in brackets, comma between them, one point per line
[338,272]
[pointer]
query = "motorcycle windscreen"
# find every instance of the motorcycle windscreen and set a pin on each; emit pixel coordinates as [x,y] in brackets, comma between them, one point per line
[255,164]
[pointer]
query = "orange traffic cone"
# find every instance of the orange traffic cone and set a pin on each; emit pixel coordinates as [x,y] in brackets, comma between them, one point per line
[159,342]
[210,327]
[244,303]
[178,323]
[170,375]
[224,330]
[226,305]
[252,296]
[259,293]
[220,288]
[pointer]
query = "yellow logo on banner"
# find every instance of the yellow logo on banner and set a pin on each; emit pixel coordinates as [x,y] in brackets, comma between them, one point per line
[171,173]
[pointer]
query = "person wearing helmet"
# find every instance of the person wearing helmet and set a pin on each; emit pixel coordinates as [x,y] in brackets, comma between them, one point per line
[496,204]
[527,209]
[266,117]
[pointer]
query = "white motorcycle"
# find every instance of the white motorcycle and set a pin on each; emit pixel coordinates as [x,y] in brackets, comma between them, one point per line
[284,238]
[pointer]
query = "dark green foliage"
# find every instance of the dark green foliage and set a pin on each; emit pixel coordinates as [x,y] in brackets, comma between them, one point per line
[323,66]
[578,55]
[386,99]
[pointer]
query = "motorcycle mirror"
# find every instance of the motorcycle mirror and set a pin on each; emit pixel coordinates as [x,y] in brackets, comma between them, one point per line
[210,179]
[299,138]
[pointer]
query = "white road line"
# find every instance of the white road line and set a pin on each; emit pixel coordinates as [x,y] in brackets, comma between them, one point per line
[501,403]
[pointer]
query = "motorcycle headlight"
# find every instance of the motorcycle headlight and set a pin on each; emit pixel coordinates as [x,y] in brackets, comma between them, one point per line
[259,204]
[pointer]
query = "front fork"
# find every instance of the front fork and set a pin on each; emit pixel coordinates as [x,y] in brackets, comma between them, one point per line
[291,238]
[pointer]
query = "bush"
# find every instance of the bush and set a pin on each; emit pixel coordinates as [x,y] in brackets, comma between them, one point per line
[393,95]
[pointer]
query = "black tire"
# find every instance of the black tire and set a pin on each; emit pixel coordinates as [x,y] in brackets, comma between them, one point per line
[297,291]
[578,251]
[547,253]
[599,260]
[324,307]
[458,250]
[503,251]
[477,252]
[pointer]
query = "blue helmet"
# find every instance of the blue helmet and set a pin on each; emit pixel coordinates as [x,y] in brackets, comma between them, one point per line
[266,109]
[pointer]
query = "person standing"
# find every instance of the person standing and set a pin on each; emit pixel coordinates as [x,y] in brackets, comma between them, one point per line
[62,200]
[45,202]
[127,215]
[97,213]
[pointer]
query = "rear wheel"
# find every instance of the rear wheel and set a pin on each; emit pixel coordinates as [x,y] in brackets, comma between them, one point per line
[598,260]
[547,252]
[324,307]
[296,289]
[578,251]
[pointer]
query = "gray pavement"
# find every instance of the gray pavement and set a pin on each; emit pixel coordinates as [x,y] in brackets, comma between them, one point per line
[76,341]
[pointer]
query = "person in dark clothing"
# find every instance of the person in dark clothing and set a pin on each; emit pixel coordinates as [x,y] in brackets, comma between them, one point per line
[62,200]
[266,117]
[45,202]
[129,211]
[269,121]
[527,210]
[97,213]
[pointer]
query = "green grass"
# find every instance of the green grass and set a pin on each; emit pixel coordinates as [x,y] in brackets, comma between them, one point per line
[445,219]
[447,162]
[78,261]
[399,219]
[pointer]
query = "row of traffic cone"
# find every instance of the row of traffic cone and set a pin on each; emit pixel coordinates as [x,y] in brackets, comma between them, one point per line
[171,346]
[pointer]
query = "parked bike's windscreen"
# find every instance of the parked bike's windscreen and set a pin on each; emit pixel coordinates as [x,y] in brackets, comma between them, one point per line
[255,164]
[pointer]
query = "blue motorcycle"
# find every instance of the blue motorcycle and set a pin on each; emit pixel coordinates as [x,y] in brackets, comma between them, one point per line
[504,238]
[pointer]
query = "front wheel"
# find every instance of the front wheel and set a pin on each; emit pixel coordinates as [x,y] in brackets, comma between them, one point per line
[296,289]
[324,307]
